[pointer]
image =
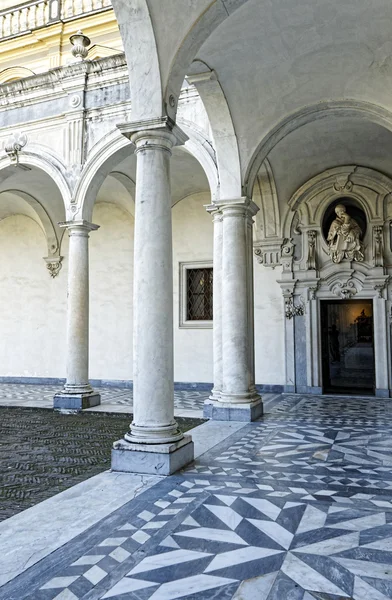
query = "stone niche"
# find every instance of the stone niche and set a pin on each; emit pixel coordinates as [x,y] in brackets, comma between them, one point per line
[310,274]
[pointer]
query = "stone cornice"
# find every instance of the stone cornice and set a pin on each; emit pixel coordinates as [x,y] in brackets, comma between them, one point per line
[58,75]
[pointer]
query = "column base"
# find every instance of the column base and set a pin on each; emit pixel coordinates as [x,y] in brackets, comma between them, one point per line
[152,459]
[229,411]
[76,402]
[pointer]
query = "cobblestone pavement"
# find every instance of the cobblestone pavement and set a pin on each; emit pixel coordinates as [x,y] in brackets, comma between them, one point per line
[296,506]
[113,399]
[43,453]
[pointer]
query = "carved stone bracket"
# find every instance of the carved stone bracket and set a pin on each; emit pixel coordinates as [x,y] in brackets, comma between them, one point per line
[53,264]
[268,252]
[14,145]
[287,254]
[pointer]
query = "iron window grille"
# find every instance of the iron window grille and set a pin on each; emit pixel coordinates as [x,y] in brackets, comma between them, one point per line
[199,294]
[196,295]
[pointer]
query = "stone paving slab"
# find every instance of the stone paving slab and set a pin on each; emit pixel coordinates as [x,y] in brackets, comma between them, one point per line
[298,505]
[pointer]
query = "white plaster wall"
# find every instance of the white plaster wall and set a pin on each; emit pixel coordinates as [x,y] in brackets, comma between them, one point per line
[33,305]
[269,326]
[192,241]
[111,291]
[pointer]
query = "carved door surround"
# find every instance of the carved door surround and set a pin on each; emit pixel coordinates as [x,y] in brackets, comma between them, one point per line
[314,277]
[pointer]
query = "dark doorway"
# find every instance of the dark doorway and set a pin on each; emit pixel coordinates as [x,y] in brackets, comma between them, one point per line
[347,346]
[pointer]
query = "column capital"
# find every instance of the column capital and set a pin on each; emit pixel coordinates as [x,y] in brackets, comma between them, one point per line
[237,207]
[80,227]
[215,211]
[153,132]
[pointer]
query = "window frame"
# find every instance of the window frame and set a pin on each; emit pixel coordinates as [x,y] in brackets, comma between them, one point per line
[185,323]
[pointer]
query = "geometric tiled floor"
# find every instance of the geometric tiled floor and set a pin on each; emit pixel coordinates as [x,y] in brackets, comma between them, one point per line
[297,506]
[113,399]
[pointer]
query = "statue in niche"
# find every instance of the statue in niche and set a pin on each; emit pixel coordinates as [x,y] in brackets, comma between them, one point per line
[344,237]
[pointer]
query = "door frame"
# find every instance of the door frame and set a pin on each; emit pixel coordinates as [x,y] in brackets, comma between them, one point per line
[325,372]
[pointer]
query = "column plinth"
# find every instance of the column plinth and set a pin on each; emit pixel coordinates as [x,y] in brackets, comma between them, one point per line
[238,399]
[154,443]
[77,393]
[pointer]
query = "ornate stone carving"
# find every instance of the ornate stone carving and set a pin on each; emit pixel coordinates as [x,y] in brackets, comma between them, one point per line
[80,43]
[381,286]
[259,255]
[287,253]
[344,237]
[343,183]
[313,291]
[268,252]
[14,145]
[290,309]
[54,264]
[311,262]
[378,246]
[345,290]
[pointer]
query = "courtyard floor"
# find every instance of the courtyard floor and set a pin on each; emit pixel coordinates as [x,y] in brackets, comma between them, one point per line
[297,506]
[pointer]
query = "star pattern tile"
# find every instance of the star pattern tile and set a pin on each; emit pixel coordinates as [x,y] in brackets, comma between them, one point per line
[298,505]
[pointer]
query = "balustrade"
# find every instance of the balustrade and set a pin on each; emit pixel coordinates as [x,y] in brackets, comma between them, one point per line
[39,13]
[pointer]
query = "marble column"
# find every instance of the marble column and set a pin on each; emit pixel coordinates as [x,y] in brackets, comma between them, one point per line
[77,393]
[154,443]
[238,399]
[217,301]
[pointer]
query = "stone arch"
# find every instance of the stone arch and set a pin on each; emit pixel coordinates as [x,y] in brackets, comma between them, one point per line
[48,163]
[138,37]
[13,73]
[201,30]
[113,149]
[103,158]
[152,97]
[43,219]
[339,109]
[225,139]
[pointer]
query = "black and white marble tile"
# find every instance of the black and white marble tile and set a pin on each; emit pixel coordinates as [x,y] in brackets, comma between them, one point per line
[297,506]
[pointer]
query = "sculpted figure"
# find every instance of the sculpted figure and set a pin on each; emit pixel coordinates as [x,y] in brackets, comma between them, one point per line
[344,237]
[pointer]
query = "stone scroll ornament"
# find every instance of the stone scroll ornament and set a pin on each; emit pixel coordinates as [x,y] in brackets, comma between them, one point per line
[344,237]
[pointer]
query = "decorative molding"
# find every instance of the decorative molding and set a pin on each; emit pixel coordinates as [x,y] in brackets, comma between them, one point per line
[54,265]
[291,310]
[378,246]
[287,254]
[345,290]
[268,252]
[313,290]
[343,183]
[311,263]
[380,287]
[14,146]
